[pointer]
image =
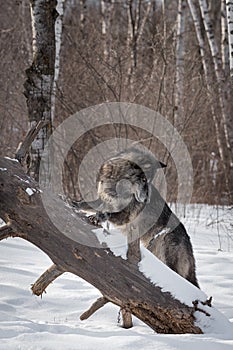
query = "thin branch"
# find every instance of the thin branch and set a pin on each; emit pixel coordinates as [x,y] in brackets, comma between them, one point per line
[46,278]
[31,135]
[100,302]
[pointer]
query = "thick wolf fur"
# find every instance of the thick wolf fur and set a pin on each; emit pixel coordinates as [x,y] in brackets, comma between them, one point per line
[147,212]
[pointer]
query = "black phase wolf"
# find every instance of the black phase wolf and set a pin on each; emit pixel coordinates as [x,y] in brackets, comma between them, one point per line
[129,200]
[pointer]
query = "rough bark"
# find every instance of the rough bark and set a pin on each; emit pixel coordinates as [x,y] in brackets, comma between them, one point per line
[40,76]
[119,281]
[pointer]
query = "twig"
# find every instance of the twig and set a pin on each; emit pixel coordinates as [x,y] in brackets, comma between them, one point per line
[24,146]
[46,278]
[100,302]
[196,308]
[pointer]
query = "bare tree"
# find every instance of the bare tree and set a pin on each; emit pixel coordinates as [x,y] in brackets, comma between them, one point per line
[106,18]
[229,10]
[58,36]
[136,23]
[83,15]
[179,79]
[224,39]
[222,93]
[40,76]
[99,78]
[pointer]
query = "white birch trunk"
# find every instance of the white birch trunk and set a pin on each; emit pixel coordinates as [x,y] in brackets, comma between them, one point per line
[222,90]
[26,34]
[83,10]
[229,8]
[201,43]
[164,23]
[224,39]
[58,35]
[106,16]
[211,39]
[130,37]
[179,78]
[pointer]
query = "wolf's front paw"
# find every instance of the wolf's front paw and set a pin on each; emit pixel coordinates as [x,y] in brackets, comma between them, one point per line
[98,218]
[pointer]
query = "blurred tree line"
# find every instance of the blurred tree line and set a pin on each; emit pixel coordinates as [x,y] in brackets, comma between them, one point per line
[170,56]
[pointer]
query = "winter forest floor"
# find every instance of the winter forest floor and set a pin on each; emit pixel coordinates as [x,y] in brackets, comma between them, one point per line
[29,322]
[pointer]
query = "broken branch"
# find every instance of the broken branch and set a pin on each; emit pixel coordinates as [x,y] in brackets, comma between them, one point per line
[100,302]
[23,147]
[46,278]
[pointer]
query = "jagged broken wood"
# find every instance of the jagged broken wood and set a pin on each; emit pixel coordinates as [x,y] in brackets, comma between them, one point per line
[46,278]
[118,280]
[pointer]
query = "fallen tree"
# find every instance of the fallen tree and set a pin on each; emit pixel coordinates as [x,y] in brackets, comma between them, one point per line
[120,281]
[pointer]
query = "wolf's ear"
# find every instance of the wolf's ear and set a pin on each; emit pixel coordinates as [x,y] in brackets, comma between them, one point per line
[162,165]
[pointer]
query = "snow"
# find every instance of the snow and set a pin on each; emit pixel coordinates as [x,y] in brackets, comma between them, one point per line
[18,177]
[116,241]
[29,322]
[161,275]
[30,191]
[12,159]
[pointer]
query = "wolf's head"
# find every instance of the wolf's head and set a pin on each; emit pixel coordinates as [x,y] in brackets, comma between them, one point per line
[120,181]
[144,159]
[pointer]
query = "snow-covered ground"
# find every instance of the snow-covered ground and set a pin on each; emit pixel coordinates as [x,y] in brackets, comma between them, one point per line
[29,322]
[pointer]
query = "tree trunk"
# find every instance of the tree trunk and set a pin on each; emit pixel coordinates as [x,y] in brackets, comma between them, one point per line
[224,40]
[83,15]
[118,280]
[106,17]
[179,79]
[58,36]
[208,80]
[136,24]
[219,123]
[220,80]
[229,8]
[40,76]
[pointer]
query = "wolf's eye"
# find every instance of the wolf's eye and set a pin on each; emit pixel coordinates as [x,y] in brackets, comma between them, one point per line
[144,179]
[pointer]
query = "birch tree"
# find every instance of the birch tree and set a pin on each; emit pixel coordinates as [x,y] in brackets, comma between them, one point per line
[224,39]
[83,14]
[201,43]
[40,76]
[106,17]
[58,36]
[179,77]
[222,93]
[229,8]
